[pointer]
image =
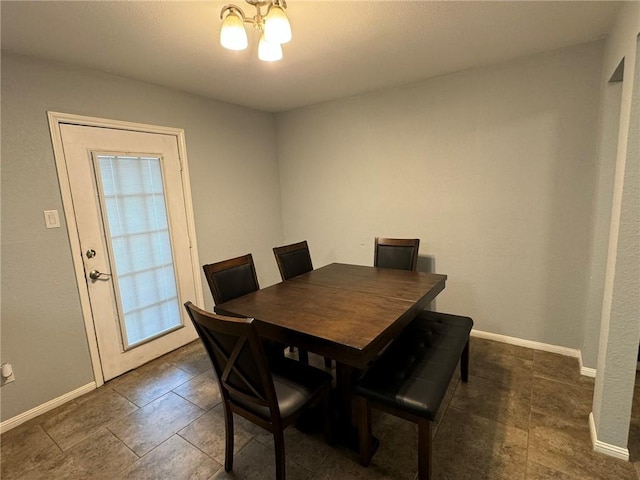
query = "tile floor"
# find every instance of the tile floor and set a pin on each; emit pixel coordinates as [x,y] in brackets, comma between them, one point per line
[523,415]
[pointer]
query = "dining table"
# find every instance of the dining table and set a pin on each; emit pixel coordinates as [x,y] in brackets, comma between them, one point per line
[348,313]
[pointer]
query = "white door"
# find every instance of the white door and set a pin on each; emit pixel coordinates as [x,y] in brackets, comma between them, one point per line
[129,206]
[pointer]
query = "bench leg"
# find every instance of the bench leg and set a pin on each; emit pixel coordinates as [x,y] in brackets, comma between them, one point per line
[464,363]
[424,449]
[365,435]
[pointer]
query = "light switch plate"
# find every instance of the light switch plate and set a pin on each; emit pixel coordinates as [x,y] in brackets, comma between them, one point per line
[51,219]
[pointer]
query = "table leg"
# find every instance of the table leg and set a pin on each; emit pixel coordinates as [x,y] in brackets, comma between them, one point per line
[346,430]
[344,388]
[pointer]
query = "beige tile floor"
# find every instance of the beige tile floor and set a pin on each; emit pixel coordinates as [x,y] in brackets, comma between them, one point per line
[522,415]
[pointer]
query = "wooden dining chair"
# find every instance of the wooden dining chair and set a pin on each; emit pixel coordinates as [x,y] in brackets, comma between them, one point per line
[269,394]
[294,260]
[231,278]
[398,253]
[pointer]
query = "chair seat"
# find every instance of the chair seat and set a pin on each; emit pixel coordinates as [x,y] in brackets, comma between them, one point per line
[413,374]
[295,383]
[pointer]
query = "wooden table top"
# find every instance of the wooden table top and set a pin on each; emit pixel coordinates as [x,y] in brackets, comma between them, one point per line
[346,312]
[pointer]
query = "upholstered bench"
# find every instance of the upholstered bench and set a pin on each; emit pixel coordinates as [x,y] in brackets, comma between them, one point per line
[411,377]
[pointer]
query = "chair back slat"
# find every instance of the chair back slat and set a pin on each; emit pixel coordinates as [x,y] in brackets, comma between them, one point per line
[293,260]
[398,253]
[231,278]
[233,377]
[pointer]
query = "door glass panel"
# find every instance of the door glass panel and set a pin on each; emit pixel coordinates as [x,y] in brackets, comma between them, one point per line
[137,232]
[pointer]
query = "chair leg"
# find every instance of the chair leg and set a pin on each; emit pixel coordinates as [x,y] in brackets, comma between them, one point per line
[328,433]
[365,435]
[228,432]
[278,437]
[464,363]
[424,449]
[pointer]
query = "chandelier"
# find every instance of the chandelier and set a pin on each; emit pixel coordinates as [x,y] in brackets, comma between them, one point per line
[273,26]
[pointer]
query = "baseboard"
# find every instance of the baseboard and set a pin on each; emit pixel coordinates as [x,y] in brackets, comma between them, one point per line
[606,448]
[586,371]
[569,352]
[45,407]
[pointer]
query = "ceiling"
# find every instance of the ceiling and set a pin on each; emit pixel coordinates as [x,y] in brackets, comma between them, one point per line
[338,49]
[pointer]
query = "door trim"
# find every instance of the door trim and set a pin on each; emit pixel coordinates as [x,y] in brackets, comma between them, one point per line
[55,120]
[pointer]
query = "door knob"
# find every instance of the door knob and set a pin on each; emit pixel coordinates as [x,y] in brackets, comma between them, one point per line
[95,274]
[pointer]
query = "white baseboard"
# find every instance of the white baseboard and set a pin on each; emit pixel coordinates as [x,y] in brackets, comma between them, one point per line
[569,352]
[586,371]
[606,448]
[45,407]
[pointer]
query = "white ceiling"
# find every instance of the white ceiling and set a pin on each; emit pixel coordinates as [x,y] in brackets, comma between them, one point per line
[338,48]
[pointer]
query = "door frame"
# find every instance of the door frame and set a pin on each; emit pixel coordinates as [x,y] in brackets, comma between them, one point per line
[55,120]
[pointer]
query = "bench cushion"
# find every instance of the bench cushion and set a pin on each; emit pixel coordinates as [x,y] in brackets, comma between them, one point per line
[413,373]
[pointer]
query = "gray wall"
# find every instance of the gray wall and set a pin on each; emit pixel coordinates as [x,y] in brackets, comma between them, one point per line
[494,169]
[235,187]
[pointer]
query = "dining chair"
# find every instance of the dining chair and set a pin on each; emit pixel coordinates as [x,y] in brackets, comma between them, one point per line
[398,253]
[269,394]
[294,260]
[231,278]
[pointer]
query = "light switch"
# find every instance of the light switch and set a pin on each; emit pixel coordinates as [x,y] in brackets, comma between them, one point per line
[51,219]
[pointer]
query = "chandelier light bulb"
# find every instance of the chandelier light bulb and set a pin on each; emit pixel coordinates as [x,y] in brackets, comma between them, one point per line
[232,34]
[276,26]
[273,27]
[269,52]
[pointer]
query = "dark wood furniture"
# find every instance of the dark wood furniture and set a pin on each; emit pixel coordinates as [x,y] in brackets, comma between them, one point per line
[293,260]
[345,312]
[269,394]
[411,377]
[231,278]
[399,253]
[234,278]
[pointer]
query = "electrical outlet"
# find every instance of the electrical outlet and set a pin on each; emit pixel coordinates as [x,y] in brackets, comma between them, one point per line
[9,379]
[4,369]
